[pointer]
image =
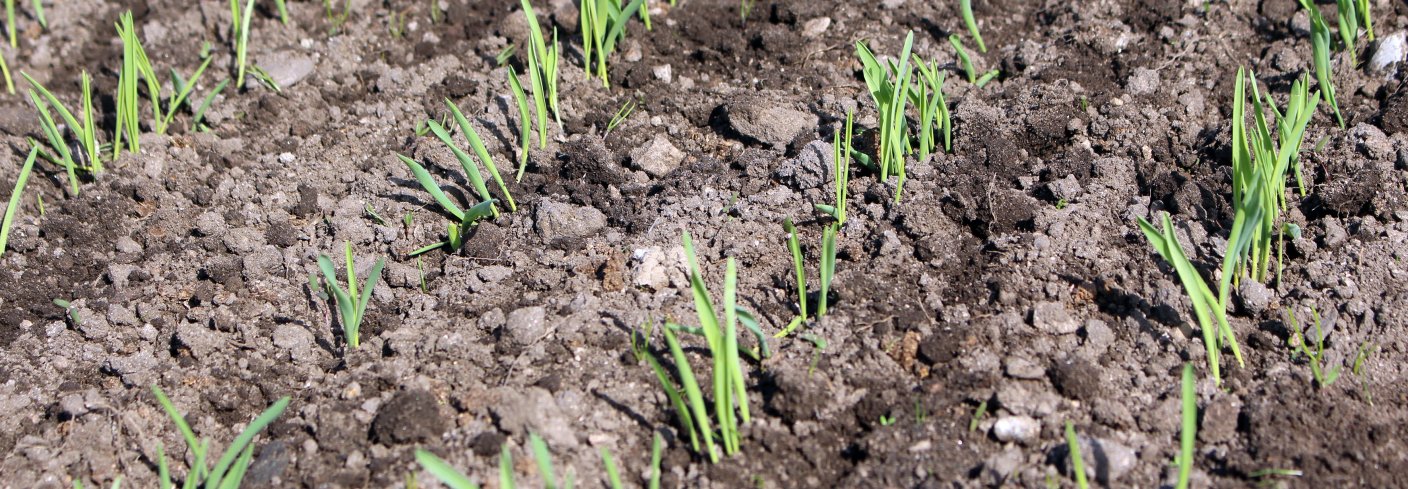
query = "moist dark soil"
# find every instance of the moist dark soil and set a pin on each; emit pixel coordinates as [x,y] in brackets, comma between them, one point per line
[1010,279]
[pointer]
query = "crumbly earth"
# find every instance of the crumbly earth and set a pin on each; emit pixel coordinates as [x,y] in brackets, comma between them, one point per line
[1011,275]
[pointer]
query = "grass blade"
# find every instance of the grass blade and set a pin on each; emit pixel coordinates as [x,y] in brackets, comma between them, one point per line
[13,207]
[1077,463]
[480,151]
[967,7]
[1188,433]
[432,188]
[443,471]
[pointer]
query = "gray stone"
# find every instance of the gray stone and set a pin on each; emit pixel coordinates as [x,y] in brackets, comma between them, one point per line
[557,221]
[1098,335]
[125,244]
[410,416]
[533,409]
[1066,189]
[287,68]
[1372,142]
[999,468]
[137,369]
[1335,234]
[201,341]
[1254,296]
[1023,368]
[658,157]
[1142,81]
[1220,420]
[494,273]
[811,168]
[72,405]
[1105,460]
[816,27]
[1051,317]
[527,325]
[1019,429]
[1390,50]
[211,224]
[296,339]
[243,240]
[765,120]
[663,73]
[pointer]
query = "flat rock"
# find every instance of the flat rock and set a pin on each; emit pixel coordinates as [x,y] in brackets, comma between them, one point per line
[1389,51]
[287,68]
[658,157]
[1051,317]
[559,221]
[525,326]
[765,120]
[410,416]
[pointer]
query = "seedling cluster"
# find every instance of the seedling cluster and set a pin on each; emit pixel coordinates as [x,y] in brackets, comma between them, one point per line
[893,86]
[229,470]
[351,305]
[486,207]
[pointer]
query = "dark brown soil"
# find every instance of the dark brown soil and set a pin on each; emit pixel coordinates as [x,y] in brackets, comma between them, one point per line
[1011,274]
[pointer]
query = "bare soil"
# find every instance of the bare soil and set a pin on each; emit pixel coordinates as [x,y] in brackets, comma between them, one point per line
[1011,274]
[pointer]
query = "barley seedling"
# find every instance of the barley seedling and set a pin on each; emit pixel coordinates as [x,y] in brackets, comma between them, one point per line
[1363,13]
[745,8]
[1314,353]
[978,414]
[888,85]
[229,470]
[505,468]
[334,19]
[61,155]
[967,64]
[1349,27]
[827,270]
[1320,48]
[1188,433]
[351,305]
[543,71]
[477,144]
[464,220]
[1211,314]
[1259,167]
[794,244]
[239,34]
[603,25]
[828,266]
[621,115]
[442,471]
[841,172]
[85,130]
[928,97]
[1073,446]
[818,346]
[5,71]
[683,410]
[12,28]
[525,124]
[657,450]
[613,476]
[142,67]
[283,11]
[966,6]
[14,206]
[544,459]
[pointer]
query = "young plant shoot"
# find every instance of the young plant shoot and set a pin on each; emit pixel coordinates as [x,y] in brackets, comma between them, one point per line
[229,470]
[442,471]
[464,220]
[1211,315]
[888,85]
[1073,447]
[603,25]
[239,29]
[1259,168]
[351,305]
[1320,49]
[12,209]
[841,173]
[543,71]
[794,245]
[1314,353]
[966,6]
[1188,434]
[5,71]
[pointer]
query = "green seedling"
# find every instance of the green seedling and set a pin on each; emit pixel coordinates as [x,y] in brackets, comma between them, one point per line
[888,85]
[351,305]
[887,420]
[613,476]
[603,25]
[264,78]
[978,416]
[61,154]
[239,33]
[1077,463]
[282,7]
[987,77]
[12,209]
[657,451]
[116,483]
[729,389]
[442,471]
[199,115]
[71,310]
[464,220]
[12,27]
[437,13]
[928,97]
[1211,314]
[828,266]
[1349,27]
[1320,49]
[745,8]
[525,124]
[371,213]
[1315,353]
[396,25]
[1363,13]
[1259,167]
[920,413]
[794,245]
[229,470]
[336,19]
[477,144]
[621,115]
[841,173]
[505,468]
[544,459]
[85,130]
[543,61]
[1188,434]
[967,63]
[818,346]
[420,266]
[5,71]
[966,6]
[505,54]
